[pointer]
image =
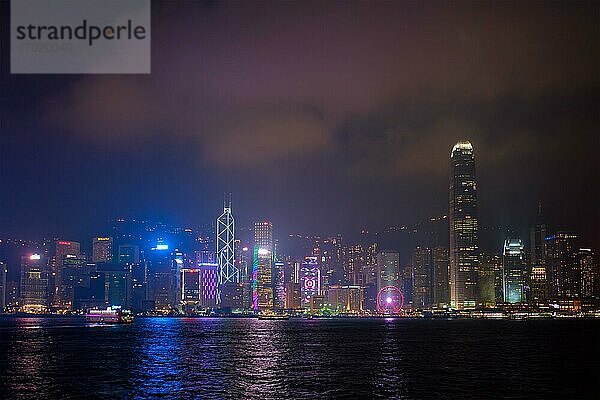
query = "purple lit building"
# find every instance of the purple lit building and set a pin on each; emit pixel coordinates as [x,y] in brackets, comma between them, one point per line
[310,279]
[208,284]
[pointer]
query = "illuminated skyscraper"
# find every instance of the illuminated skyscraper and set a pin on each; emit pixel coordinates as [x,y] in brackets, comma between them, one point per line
[262,271]
[354,262]
[209,276]
[262,274]
[513,271]
[491,280]
[279,284]
[441,267]
[563,269]
[34,284]
[388,269]
[310,280]
[75,278]
[164,278]
[190,288]
[422,265]
[538,274]
[589,273]
[228,271]
[64,248]
[464,243]
[102,249]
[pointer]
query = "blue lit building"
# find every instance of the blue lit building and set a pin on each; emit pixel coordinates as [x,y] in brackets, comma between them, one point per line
[513,271]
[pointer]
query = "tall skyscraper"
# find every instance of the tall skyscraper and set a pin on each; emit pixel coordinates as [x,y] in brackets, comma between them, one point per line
[279,284]
[102,248]
[262,274]
[563,269]
[464,243]
[262,271]
[354,261]
[513,271]
[64,249]
[388,269]
[491,280]
[441,267]
[310,280]
[228,271]
[34,284]
[209,277]
[589,273]
[537,242]
[422,277]
[538,280]
[164,278]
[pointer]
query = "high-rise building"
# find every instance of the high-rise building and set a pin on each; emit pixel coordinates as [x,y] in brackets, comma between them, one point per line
[331,261]
[422,266]
[190,289]
[117,284]
[346,298]
[128,255]
[388,269]
[538,278]
[63,249]
[293,295]
[163,278]
[563,269]
[491,280]
[354,262]
[75,277]
[464,243]
[34,284]
[229,273]
[262,279]
[537,242]
[262,271]
[279,284]
[441,284]
[589,273]
[513,271]
[209,278]
[310,279]
[102,249]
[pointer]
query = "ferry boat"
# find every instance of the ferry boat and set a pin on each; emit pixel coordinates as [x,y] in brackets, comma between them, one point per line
[110,315]
[273,316]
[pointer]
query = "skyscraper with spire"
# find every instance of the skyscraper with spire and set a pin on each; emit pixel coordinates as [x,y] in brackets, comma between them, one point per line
[464,241]
[538,272]
[228,271]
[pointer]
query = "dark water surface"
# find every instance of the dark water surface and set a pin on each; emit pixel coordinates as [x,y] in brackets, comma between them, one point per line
[52,358]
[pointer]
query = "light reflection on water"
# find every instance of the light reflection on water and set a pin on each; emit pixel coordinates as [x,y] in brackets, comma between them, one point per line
[46,358]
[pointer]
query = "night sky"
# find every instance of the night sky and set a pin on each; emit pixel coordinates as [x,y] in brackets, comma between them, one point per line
[323,117]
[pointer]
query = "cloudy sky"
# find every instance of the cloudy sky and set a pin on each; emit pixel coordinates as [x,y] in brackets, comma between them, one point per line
[322,116]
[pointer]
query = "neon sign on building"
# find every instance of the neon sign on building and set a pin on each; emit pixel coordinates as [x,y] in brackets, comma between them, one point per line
[310,279]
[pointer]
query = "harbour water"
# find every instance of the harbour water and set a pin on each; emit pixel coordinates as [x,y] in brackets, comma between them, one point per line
[52,358]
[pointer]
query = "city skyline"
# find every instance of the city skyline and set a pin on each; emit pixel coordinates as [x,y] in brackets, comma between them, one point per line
[275,199]
[329,138]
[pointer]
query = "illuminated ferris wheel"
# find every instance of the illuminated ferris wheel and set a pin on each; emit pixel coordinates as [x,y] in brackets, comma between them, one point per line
[390,300]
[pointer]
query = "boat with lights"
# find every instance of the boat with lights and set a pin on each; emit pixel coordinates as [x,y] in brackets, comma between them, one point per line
[110,315]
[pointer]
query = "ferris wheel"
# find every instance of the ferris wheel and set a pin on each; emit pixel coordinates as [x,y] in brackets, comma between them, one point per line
[390,300]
